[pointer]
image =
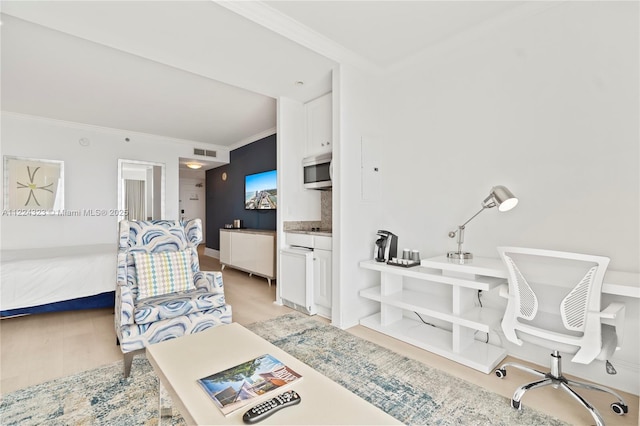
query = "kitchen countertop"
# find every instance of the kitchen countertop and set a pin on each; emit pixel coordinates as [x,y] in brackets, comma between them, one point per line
[324,232]
[250,230]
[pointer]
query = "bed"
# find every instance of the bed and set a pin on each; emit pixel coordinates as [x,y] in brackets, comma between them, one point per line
[57,278]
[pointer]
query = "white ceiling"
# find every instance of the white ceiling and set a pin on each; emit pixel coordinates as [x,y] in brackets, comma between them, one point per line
[157,66]
[154,67]
[55,75]
[387,32]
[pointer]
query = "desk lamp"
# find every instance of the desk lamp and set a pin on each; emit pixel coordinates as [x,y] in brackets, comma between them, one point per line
[499,197]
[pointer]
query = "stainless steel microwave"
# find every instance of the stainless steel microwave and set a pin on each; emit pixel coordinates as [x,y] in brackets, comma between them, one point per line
[317,171]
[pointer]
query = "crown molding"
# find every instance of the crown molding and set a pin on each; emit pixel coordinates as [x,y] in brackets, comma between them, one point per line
[254,138]
[280,23]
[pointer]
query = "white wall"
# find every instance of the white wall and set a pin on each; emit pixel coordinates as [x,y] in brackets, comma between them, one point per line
[90,177]
[547,106]
[357,105]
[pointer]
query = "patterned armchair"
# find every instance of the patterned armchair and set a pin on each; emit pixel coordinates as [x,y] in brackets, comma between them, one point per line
[161,293]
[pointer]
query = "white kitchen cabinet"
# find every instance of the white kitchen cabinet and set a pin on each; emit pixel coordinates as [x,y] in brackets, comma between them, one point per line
[295,281]
[250,250]
[444,295]
[317,292]
[322,281]
[318,124]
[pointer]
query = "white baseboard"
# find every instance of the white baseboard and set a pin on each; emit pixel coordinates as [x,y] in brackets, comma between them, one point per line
[212,253]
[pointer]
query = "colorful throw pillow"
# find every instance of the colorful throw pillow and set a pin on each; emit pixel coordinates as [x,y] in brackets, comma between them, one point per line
[162,273]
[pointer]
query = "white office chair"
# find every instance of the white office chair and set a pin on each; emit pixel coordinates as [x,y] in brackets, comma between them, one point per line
[578,326]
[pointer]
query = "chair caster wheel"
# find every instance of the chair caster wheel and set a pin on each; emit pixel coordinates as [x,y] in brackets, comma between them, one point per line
[619,409]
[516,404]
[501,373]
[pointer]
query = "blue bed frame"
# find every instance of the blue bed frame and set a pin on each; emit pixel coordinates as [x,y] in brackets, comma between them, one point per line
[102,300]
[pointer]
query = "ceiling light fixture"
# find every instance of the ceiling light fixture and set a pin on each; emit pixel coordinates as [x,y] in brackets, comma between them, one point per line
[194,166]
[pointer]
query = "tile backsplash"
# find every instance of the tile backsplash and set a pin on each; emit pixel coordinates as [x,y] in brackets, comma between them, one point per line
[325,217]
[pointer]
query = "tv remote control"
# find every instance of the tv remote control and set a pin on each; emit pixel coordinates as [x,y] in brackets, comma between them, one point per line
[267,408]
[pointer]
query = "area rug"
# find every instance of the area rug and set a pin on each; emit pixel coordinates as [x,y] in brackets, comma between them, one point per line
[101,396]
[406,389]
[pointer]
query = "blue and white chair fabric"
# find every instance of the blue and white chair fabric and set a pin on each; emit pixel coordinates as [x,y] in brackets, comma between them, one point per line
[140,322]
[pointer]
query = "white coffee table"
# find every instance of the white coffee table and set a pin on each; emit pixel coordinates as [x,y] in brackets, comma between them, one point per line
[180,362]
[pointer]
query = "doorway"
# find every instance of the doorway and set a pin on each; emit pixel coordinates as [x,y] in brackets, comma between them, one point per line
[192,194]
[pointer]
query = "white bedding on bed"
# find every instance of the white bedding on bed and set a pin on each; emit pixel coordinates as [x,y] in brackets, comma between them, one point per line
[32,277]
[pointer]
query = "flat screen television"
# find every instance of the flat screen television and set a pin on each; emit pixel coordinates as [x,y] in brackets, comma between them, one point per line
[260,191]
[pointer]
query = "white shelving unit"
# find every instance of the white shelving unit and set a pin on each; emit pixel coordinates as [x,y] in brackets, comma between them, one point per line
[456,306]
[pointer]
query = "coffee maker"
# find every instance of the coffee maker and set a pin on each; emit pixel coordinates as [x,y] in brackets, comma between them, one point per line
[386,246]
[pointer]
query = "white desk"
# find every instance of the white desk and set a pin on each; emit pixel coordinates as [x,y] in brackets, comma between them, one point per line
[615,282]
[622,284]
[454,306]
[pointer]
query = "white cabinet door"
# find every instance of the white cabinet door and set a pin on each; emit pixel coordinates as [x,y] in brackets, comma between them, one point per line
[295,280]
[225,247]
[254,253]
[322,277]
[319,125]
[264,262]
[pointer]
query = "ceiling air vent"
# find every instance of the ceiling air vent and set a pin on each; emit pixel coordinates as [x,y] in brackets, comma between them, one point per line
[205,152]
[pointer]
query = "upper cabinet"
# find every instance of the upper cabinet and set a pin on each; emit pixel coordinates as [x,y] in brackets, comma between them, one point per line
[318,123]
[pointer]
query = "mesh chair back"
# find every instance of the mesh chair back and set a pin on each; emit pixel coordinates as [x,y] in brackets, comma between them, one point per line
[574,307]
[526,299]
[572,304]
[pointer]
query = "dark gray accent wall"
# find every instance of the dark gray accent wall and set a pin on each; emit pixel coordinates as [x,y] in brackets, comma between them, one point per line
[225,199]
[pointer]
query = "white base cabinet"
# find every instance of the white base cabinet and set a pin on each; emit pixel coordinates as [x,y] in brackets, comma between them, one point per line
[296,279]
[318,283]
[445,294]
[322,281]
[250,250]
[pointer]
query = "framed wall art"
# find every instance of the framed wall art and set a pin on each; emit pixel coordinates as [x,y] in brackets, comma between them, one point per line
[33,184]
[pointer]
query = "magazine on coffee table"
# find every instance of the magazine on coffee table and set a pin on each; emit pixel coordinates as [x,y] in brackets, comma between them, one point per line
[237,386]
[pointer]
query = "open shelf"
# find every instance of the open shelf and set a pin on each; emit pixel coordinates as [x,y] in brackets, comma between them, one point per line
[479,282]
[478,355]
[455,306]
[423,303]
[481,319]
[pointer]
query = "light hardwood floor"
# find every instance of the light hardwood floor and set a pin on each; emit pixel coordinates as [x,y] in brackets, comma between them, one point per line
[43,347]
